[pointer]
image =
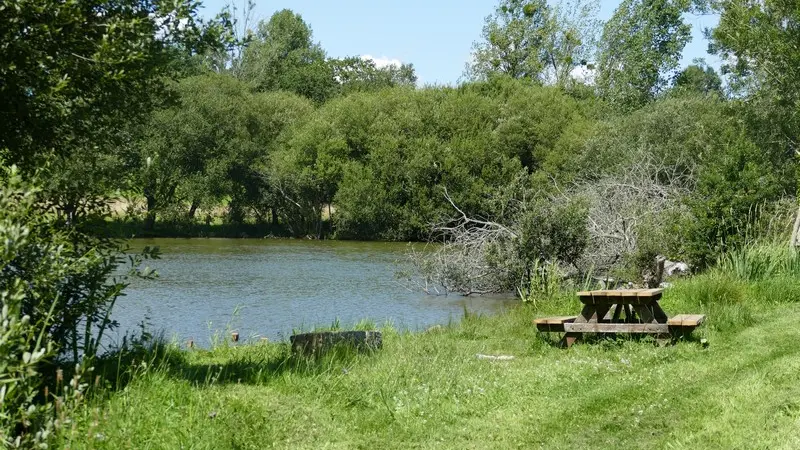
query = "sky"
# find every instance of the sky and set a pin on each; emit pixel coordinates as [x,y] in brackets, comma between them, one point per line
[434,35]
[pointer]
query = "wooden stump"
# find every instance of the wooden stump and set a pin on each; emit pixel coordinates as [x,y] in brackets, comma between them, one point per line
[318,343]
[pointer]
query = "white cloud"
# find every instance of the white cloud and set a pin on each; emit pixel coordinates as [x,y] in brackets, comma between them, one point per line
[383,61]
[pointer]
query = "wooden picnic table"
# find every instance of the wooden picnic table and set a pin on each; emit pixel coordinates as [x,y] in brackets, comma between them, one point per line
[629,311]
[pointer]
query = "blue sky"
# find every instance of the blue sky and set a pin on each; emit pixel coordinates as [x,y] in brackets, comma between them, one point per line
[435,35]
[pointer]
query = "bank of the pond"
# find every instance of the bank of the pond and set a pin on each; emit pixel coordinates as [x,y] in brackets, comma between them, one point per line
[428,390]
[130,228]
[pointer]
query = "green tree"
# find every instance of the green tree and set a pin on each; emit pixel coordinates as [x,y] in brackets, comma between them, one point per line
[356,74]
[210,145]
[283,56]
[758,42]
[640,47]
[513,41]
[529,39]
[68,70]
[697,78]
[384,158]
[573,44]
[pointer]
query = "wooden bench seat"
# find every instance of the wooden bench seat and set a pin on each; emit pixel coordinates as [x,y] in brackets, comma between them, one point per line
[686,320]
[555,324]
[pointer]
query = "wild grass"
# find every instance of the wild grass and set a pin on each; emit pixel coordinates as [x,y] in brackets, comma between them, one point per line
[428,390]
[758,262]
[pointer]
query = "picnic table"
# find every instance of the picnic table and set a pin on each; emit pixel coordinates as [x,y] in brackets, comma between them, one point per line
[628,311]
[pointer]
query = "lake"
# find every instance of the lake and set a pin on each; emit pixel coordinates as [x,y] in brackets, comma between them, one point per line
[268,288]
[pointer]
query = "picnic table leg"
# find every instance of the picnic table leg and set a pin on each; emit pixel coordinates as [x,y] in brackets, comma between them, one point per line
[658,313]
[569,339]
[617,312]
[629,316]
[589,311]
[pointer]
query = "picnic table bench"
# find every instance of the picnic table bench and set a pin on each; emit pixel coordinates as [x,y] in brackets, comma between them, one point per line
[628,311]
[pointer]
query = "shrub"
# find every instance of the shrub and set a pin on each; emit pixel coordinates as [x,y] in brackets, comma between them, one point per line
[69,277]
[32,266]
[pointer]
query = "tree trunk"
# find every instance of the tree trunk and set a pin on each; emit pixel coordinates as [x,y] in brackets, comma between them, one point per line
[795,230]
[274,216]
[193,208]
[150,218]
[330,221]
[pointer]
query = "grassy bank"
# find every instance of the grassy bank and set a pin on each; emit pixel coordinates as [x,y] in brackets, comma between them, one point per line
[429,390]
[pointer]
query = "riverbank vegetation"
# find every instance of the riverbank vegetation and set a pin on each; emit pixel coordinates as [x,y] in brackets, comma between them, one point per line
[571,151]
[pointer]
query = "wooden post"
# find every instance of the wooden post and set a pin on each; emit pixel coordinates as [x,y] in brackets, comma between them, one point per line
[235,336]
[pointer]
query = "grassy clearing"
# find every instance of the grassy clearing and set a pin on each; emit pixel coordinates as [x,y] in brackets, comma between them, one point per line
[428,390]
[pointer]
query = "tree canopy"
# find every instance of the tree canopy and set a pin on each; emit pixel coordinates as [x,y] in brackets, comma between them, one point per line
[640,47]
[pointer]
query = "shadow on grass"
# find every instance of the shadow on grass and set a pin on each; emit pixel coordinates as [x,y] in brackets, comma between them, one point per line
[248,364]
[557,340]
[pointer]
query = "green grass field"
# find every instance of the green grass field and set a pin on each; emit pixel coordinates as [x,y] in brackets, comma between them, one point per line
[428,390]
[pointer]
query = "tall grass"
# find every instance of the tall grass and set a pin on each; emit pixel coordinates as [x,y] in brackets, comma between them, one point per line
[757,262]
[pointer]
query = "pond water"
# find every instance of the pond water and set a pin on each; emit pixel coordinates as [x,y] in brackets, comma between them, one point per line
[268,288]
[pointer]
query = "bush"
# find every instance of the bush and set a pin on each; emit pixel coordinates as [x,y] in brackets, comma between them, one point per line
[70,278]
[32,267]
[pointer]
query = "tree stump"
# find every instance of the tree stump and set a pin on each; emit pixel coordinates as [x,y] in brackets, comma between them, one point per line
[321,342]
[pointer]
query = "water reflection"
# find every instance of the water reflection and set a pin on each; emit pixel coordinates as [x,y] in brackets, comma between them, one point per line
[270,287]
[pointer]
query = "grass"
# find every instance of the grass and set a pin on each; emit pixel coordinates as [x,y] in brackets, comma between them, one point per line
[428,390]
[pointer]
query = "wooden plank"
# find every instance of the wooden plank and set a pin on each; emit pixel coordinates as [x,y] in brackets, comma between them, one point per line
[686,320]
[650,293]
[553,320]
[561,319]
[654,328]
[628,300]
[550,327]
[614,293]
[645,313]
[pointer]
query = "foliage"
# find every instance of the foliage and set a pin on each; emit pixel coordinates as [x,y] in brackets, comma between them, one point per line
[358,74]
[641,45]
[757,42]
[730,189]
[700,79]
[531,40]
[695,152]
[383,158]
[513,41]
[49,288]
[68,67]
[527,239]
[282,56]
[210,146]
[69,277]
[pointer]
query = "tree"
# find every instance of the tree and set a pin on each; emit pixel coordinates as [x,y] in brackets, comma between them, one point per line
[640,46]
[283,56]
[573,45]
[696,78]
[211,145]
[357,74]
[70,70]
[529,39]
[758,41]
[513,41]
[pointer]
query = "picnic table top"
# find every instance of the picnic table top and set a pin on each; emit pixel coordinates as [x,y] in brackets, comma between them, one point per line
[638,293]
